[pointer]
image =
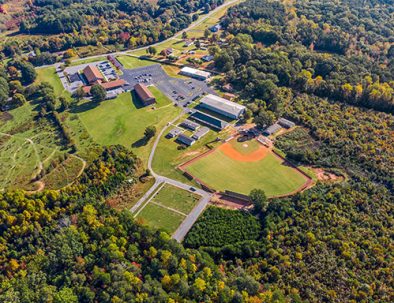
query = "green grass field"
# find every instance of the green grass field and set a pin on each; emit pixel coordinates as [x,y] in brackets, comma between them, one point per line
[132,62]
[123,121]
[49,75]
[168,208]
[269,174]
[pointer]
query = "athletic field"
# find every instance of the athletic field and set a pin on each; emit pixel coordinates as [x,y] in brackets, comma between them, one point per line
[167,208]
[243,166]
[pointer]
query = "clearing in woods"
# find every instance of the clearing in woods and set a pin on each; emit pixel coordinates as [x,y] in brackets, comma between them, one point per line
[167,208]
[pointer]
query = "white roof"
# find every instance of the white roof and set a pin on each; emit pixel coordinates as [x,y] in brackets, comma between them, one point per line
[223,104]
[194,71]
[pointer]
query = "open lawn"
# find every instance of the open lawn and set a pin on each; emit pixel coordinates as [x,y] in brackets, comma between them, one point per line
[123,120]
[168,156]
[132,62]
[270,173]
[173,197]
[168,208]
[49,75]
[161,218]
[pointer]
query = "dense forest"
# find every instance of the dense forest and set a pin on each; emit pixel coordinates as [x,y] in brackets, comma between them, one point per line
[329,67]
[68,247]
[270,50]
[56,25]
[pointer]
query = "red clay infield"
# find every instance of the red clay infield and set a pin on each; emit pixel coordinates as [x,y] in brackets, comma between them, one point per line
[254,156]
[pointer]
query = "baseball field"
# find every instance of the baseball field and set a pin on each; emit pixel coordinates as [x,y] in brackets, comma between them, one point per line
[243,166]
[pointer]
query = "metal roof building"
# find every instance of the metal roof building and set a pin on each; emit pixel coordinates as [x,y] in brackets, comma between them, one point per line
[190,125]
[174,132]
[195,73]
[222,106]
[272,129]
[185,140]
[286,123]
[200,133]
[208,120]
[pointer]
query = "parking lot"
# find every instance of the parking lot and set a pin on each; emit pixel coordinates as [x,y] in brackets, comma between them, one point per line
[181,91]
[76,80]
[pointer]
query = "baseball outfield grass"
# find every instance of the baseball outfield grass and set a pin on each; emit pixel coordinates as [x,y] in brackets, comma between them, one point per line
[270,174]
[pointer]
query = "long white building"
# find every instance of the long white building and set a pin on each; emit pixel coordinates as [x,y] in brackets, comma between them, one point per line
[195,73]
[222,106]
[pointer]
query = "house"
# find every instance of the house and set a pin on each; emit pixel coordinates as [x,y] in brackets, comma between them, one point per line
[186,140]
[222,106]
[215,28]
[188,43]
[144,94]
[286,123]
[92,74]
[273,129]
[195,73]
[228,96]
[207,58]
[190,125]
[200,133]
[174,132]
[167,52]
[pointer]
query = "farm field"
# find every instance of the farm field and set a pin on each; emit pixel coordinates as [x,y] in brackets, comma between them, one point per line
[123,121]
[226,168]
[168,208]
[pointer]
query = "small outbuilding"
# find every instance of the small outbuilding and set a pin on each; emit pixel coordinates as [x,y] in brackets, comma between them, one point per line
[286,123]
[273,129]
[190,125]
[200,133]
[186,140]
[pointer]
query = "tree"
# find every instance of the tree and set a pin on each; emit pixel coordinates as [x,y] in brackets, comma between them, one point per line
[259,200]
[184,35]
[98,93]
[265,118]
[65,104]
[79,93]
[206,33]
[150,132]
[28,73]
[197,44]
[4,91]
[19,99]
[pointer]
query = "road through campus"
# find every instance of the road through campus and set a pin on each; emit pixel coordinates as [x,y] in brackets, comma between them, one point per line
[178,34]
[185,226]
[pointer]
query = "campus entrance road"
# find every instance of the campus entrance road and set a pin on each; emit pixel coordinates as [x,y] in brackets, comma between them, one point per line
[183,229]
[177,35]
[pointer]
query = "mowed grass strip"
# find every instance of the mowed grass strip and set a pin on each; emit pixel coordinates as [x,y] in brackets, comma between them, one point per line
[123,121]
[176,198]
[132,62]
[270,174]
[161,218]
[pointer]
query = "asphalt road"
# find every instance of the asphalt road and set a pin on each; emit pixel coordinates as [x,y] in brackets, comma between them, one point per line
[184,228]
